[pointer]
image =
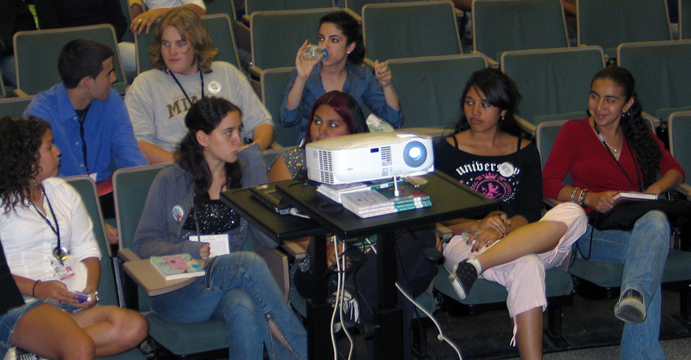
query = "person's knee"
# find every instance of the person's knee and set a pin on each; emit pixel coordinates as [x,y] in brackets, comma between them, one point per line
[238,304]
[79,346]
[130,327]
[530,263]
[656,219]
[655,226]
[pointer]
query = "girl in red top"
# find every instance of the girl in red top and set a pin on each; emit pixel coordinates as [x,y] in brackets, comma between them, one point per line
[609,151]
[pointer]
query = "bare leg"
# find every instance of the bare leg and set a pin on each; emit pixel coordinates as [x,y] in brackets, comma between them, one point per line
[112,329]
[529,334]
[52,333]
[277,334]
[534,238]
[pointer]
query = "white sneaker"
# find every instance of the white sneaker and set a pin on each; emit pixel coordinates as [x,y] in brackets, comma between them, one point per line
[18,354]
[350,309]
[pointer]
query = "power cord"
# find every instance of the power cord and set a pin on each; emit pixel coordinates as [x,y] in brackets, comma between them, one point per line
[338,304]
[440,336]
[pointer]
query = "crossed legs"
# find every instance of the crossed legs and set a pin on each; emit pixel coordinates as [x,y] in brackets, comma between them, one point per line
[50,332]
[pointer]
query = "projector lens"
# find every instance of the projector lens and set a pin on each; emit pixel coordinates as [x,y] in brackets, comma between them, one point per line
[414,154]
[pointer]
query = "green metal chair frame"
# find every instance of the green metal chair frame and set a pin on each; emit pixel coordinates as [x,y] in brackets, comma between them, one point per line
[131,188]
[14,107]
[410,29]
[684,19]
[107,289]
[36,55]
[627,21]
[354,7]
[277,35]
[553,82]
[252,6]
[430,88]
[661,70]
[679,125]
[273,88]
[221,7]
[506,25]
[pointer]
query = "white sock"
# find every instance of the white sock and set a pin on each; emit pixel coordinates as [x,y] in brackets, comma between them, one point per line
[476,264]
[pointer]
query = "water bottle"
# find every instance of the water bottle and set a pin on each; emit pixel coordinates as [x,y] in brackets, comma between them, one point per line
[315,52]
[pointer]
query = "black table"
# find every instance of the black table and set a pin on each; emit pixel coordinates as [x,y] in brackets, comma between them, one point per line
[450,200]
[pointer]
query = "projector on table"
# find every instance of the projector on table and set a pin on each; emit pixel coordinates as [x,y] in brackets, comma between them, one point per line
[369,156]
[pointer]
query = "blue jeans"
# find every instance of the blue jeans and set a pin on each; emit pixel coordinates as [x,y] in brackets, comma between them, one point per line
[643,251]
[239,289]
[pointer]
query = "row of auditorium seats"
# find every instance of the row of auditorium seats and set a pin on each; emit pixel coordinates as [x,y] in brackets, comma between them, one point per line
[553,82]
[428,28]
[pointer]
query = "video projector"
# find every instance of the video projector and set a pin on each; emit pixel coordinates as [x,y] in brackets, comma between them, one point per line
[369,156]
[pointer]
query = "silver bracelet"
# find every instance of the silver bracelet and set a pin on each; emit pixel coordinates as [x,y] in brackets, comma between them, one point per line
[581,197]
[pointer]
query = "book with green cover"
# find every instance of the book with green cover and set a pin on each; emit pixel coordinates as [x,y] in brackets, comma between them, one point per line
[393,209]
[175,267]
[334,192]
[363,202]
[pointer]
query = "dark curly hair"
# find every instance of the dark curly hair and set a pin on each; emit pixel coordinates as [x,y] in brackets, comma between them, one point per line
[205,115]
[635,128]
[351,29]
[500,91]
[20,139]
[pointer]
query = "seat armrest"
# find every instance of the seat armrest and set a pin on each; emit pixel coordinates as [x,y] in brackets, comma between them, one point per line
[256,71]
[243,36]
[685,190]
[654,122]
[494,64]
[526,126]
[19,93]
[127,255]
[354,15]
[369,63]
[445,234]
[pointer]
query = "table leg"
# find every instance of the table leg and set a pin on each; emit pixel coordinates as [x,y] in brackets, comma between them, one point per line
[388,340]
[318,309]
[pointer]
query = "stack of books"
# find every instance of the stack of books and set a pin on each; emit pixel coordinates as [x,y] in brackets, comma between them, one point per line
[383,201]
[334,192]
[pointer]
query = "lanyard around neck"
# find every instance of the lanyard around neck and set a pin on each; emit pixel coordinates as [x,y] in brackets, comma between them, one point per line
[201,77]
[633,156]
[59,253]
[82,118]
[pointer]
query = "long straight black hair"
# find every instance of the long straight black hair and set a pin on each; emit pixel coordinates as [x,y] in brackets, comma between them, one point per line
[500,91]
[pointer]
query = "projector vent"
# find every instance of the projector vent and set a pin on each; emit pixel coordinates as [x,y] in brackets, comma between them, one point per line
[386,161]
[386,158]
[325,161]
[326,177]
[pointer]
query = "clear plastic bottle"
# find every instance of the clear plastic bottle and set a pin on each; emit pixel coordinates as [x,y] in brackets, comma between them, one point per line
[315,52]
